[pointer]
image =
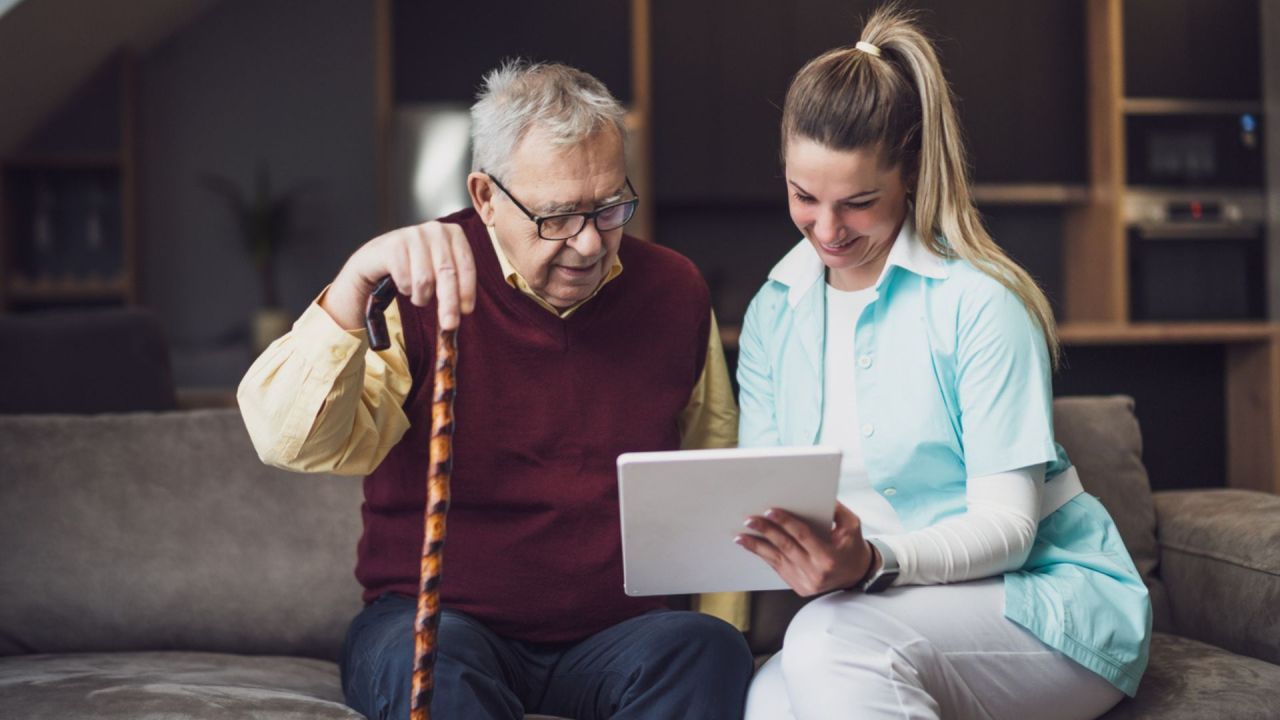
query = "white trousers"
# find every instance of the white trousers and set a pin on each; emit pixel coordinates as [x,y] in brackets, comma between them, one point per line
[935,651]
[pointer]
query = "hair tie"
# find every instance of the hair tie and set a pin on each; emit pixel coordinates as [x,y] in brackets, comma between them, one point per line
[867,48]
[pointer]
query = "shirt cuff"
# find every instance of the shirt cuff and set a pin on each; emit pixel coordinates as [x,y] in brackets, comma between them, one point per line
[326,345]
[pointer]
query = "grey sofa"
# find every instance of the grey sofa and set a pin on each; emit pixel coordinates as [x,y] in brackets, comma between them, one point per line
[151,567]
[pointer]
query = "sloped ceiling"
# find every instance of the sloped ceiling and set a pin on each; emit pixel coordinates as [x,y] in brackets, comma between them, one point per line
[48,47]
[5,5]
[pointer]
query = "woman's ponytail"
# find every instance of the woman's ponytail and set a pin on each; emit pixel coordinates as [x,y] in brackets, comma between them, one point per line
[899,103]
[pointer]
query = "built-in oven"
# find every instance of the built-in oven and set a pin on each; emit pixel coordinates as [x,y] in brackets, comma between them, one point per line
[1197,256]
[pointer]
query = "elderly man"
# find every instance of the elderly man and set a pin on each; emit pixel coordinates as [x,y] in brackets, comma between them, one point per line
[581,344]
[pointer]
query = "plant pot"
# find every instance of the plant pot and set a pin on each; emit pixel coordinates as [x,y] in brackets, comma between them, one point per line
[268,324]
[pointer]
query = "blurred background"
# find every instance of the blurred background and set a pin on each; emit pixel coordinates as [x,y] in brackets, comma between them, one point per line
[209,165]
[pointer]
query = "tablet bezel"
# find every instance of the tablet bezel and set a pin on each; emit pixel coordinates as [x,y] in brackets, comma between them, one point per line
[681,509]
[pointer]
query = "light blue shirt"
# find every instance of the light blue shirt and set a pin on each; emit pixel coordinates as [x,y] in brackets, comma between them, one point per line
[953,381]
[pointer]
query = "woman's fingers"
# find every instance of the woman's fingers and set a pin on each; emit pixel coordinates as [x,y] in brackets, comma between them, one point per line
[780,537]
[792,571]
[762,548]
[809,562]
[796,528]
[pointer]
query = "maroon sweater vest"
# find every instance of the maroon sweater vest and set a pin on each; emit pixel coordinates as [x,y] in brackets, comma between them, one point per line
[545,405]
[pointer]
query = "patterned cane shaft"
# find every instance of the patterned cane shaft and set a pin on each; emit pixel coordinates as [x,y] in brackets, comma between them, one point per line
[427,620]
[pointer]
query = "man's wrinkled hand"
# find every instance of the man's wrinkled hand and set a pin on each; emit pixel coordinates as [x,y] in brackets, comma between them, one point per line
[424,261]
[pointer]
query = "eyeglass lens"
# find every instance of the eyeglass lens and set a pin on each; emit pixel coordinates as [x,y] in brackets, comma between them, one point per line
[560,227]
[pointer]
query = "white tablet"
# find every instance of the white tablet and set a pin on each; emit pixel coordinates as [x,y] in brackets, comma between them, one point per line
[682,509]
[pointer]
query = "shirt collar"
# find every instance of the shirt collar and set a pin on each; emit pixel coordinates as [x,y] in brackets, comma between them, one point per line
[517,281]
[800,268]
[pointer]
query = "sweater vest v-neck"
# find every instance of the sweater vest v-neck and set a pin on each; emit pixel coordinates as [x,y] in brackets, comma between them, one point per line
[544,407]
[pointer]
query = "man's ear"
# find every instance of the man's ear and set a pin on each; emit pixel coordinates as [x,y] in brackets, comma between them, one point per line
[481,192]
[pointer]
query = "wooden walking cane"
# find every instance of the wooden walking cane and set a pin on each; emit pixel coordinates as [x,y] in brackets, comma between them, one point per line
[427,620]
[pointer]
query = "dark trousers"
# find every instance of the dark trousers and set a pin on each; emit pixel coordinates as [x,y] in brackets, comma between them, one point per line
[664,664]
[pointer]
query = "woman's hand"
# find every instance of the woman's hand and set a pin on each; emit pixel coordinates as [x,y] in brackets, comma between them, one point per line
[810,562]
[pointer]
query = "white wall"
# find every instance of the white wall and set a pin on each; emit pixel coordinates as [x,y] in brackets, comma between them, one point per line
[286,83]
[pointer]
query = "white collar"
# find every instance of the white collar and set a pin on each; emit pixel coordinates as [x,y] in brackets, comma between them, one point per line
[801,267]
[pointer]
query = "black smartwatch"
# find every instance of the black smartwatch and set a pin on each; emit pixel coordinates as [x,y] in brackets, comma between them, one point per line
[883,577]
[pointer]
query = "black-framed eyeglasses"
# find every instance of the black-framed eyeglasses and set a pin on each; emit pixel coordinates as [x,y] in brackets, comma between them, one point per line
[563,226]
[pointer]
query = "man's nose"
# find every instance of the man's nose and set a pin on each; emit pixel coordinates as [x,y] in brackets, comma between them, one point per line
[588,243]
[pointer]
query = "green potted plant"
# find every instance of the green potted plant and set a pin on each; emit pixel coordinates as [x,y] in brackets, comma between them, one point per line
[266,222]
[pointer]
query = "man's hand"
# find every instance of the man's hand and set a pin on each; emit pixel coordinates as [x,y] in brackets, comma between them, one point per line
[810,562]
[423,260]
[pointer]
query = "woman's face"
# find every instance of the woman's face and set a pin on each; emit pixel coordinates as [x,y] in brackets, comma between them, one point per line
[848,205]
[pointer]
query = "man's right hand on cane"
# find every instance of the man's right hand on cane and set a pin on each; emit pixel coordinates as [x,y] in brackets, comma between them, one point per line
[422,260]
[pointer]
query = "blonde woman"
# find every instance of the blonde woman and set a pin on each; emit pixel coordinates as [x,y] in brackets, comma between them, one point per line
[966,575]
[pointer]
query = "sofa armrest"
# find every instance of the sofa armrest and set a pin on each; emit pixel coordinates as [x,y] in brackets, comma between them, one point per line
[1220,561]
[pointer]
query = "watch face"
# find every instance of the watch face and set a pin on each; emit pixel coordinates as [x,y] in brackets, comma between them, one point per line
[881,582]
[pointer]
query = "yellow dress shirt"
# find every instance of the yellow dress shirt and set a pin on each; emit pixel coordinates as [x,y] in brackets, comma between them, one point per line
[319,400]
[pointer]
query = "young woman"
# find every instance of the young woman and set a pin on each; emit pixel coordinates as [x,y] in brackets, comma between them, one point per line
[966,574]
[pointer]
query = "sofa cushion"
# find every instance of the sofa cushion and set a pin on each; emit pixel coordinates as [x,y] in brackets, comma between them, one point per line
[1189,680]
[1103,440]
[1220,559]
[162,685]
[163,531]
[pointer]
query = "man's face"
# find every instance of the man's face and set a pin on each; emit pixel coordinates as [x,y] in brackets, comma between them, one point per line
[550,179]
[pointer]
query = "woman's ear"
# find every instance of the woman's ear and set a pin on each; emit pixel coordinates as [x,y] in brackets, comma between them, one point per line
[911,178]
[481,192]
[910,182]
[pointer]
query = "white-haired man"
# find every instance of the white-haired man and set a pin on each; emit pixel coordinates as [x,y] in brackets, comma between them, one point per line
[567,360]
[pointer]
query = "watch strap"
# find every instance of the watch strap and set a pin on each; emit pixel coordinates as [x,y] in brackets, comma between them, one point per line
[886,574]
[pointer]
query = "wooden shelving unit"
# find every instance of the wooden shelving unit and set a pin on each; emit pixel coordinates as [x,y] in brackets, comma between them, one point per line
[1251,385]
[1100,333]
[1030,194]
[640,118]
[1096,263]
[66,289]
[1183,106]
[383,108]
[69,161]
[1095,256]
[98,185]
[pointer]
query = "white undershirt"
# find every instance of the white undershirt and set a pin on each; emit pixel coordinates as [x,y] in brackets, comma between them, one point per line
[992,536]
[840,413]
